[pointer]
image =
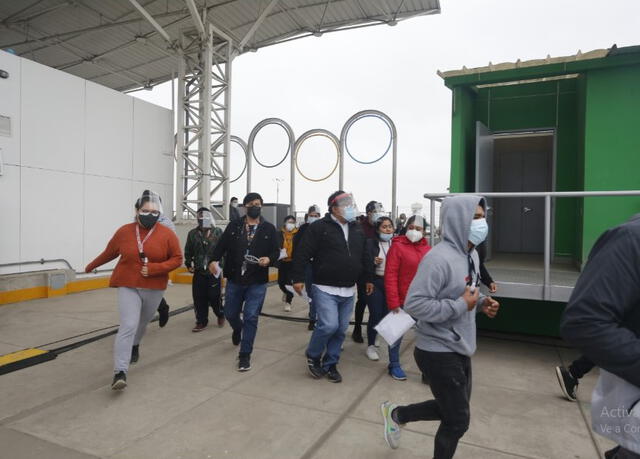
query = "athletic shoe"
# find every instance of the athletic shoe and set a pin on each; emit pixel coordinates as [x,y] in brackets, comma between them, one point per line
[119,381]
[315,368]
[357,335]
[163,313]
[236,337]
[312,325]
[244,362]
[391,427]
[287,307]
[198,328]
[135,354]
[220,321]
[397,373]
[372,353]
[568,383]
[333,375]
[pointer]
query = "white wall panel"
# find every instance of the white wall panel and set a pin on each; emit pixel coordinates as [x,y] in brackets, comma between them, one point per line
[152,143]
[107,206]
[109,132]
[10,217]
[10,106]
[51,220]
[52,118]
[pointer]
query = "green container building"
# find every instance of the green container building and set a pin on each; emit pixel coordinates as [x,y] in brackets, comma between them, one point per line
[556,124]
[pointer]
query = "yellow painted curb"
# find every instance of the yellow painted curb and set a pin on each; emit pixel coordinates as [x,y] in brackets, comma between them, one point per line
[20,355]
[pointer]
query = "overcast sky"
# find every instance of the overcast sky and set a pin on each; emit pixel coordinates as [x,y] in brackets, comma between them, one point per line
[320,82]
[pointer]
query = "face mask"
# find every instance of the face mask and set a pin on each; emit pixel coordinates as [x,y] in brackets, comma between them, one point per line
[414,235]
[385,237]
[148,221]
[479,231]
[290,226]
[200,222]
[312,219]
[349,213]
[253,212]
[234,204]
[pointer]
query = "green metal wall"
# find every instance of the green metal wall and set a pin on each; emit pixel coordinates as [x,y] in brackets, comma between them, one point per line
[611,148]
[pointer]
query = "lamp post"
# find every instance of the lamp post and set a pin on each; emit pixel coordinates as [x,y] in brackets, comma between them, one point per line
[278,181]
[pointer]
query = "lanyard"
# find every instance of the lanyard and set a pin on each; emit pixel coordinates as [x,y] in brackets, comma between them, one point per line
[382,243]
[141,243]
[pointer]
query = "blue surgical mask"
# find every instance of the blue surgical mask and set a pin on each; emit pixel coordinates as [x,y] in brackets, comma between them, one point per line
[349,213]
[385,237]
[479,231]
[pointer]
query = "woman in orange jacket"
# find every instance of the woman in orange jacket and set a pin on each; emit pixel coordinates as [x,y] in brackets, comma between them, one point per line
[148,252]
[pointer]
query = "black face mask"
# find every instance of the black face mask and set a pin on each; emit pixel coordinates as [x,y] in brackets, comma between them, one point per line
[253,212]
[148,221]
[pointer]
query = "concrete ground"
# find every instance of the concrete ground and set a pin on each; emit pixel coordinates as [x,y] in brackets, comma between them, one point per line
[186,400]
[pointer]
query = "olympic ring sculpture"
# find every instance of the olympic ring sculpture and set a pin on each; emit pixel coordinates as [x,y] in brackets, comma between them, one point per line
[317,133]
[237,140]
[367,114]
[258,127]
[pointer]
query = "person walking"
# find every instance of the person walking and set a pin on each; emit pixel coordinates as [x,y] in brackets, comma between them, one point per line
[444,297]
[285,242]
[249,246]
[205,287]
[335,247]
[234,213]
[312,215]
[401,266]
[148,251]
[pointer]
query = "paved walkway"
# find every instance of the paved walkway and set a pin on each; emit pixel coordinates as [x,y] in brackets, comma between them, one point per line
[186,400]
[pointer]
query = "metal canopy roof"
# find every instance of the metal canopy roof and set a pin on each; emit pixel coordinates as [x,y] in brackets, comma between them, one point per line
[112,43]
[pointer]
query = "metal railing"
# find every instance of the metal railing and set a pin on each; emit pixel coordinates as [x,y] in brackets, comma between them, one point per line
[42,261]
[547,195]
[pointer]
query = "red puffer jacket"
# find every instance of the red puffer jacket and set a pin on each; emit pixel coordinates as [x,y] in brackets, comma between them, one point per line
[401,266]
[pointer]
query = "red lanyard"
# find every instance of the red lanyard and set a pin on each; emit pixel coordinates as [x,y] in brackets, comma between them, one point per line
[141,243]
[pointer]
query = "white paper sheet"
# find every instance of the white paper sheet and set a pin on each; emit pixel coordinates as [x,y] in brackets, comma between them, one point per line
[303,295]
[394,325]
[218,271]
[283,254]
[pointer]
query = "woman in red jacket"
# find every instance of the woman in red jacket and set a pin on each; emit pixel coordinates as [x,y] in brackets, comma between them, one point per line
[148,252]
[401,267]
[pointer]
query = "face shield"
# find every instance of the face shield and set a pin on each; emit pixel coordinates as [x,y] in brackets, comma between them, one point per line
[377,213]
[346,205]
[206,220]
[148,209]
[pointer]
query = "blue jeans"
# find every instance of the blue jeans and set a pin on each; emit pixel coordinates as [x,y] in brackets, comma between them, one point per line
[308,285]
[334,313]
[253,298]
[377,310]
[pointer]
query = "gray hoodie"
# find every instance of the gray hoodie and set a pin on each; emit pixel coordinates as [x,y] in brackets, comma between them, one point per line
[435,296]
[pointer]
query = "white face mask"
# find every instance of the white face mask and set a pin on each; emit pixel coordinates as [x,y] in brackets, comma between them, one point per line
[414,235]
[290,226]
[312,219]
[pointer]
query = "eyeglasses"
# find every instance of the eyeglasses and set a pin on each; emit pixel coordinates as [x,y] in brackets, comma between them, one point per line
[144,213]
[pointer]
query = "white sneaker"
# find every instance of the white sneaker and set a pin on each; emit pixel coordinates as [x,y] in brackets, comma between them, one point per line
[372,353]
[391,428]
[287,307]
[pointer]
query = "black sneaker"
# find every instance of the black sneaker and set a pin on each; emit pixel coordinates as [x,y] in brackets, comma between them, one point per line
[135,353]
[236,337]
[312,325]
[568,383]
[119,381]
[315,368]
[163,313]
[333,375]
[244,362]
[357,334]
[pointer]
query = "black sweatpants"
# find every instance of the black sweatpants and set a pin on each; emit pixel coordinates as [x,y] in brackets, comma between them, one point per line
[284,278]
[449,375]
[361,304]
[581,366]
[206,293]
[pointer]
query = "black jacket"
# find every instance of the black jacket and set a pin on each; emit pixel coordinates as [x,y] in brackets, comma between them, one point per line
[233,245]
[602,318]
[334,262]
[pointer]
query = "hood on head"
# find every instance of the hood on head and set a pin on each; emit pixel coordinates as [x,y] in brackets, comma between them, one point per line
[457,214]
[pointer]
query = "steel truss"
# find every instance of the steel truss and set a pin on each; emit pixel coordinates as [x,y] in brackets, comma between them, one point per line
[204,114]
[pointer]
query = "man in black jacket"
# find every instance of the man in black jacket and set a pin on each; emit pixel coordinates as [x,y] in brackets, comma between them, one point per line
[602,320]
[249,245]
[312,215]
[335,247]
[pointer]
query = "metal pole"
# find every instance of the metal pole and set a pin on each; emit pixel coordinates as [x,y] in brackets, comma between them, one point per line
[204,150]
[394,173]
[180,114]
[432,216]
[547,247]
[292,179]
[226,163]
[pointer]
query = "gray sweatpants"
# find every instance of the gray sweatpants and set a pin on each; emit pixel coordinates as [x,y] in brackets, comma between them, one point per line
[137,307]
